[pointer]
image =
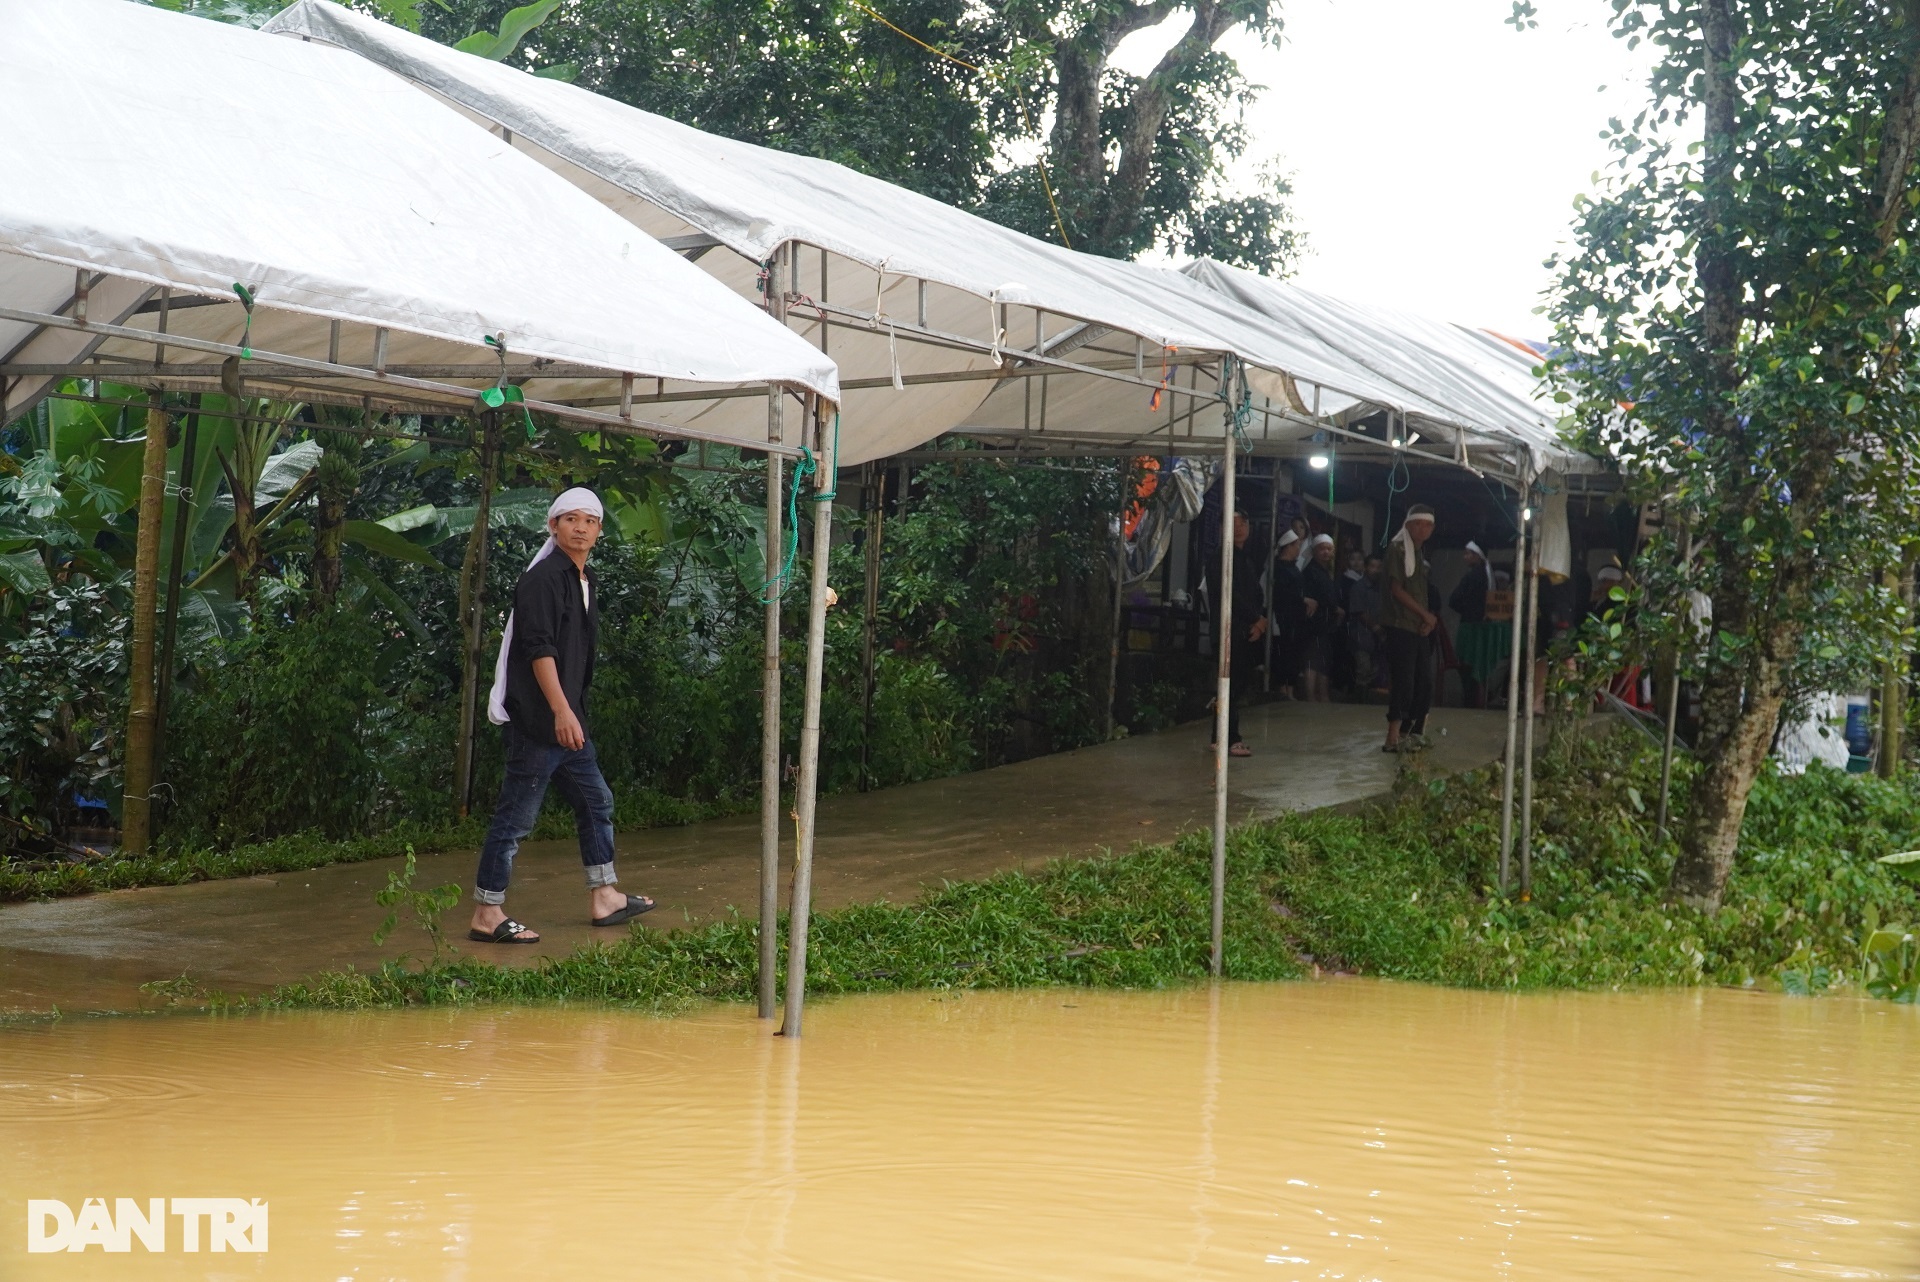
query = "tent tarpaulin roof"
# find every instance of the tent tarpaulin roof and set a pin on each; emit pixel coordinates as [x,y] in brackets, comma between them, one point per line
[1447,374]
[890,272]
[334,193]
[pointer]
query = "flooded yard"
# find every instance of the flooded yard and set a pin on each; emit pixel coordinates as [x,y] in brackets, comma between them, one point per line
[1343,1129]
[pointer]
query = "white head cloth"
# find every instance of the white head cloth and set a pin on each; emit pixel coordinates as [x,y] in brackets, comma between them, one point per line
[1287,540]
[1404,541]
[1323,540]
[577,499]
[1486,565]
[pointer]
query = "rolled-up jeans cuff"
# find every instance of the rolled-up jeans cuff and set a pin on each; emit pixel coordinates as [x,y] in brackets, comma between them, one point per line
[495,897]
[599,875]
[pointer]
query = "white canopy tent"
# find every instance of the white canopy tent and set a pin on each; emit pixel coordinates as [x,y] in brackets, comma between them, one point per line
[926,308]
[382,238]
[941,321]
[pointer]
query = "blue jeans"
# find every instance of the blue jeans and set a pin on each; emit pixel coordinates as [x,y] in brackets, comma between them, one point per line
[530,767]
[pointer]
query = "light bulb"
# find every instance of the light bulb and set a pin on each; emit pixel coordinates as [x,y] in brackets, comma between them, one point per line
[1318,462]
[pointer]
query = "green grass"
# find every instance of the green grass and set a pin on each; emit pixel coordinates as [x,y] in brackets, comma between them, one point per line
[1401,890]
[633,809]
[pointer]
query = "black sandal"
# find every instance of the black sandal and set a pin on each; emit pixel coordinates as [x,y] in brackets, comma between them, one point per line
[635,905]
[507,932]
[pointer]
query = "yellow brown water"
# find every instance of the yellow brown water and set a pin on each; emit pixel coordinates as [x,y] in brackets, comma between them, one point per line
[1343,1129]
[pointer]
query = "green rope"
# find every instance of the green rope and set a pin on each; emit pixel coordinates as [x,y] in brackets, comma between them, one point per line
[776,587]
[246,334]
[504,393]
[1238,398]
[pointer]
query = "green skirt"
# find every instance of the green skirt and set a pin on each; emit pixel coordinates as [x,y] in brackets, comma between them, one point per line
[1484,648]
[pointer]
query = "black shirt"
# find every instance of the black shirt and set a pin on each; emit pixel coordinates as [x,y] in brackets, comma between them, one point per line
[1317,584]
[1469,599]
[1289,599]
[551,621]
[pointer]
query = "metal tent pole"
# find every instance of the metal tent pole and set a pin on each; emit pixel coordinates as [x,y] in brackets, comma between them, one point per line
[1513,690]
[1673,702]
[770,721]
[1223,696]
[1526,745]
[808,788]
[873,491]
[770,665]
[1273,537]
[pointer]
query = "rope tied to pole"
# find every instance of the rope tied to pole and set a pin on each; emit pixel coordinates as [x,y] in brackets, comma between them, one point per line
[503,392]
[775,588]
[246,332]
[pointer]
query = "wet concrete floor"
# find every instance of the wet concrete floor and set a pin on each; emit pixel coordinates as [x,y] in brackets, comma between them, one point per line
[246,934]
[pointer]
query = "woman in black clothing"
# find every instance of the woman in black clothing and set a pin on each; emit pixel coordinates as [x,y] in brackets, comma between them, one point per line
[1322,602]
[1249,627]
[1289,615]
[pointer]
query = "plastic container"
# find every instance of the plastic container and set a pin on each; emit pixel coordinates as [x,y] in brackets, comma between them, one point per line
[1859,728]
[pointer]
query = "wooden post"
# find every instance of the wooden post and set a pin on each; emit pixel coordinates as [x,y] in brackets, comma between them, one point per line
[770,721]
[1223,705]
[1513,687]
[169,628]
[136,816]
[808,788]
[473,600]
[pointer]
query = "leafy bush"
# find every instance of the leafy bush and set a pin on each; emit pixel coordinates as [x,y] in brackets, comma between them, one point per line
[285,730]
[63,675]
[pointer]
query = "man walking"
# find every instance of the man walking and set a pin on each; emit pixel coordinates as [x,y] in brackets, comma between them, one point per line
[1408,633]
[539,699]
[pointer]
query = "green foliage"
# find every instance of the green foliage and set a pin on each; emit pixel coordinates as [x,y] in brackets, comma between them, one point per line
[1735,332]
[63,671]
[286,730]
[425,906]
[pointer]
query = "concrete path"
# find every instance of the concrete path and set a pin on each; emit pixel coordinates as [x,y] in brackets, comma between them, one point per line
[246,934]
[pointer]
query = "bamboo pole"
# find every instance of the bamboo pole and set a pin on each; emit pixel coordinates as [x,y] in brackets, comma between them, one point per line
[473,604]
[1530,640]
[1513,691]
[874,492]
[770,722]
[1673,700]
[136,816]
[1119,542]
[169,628]
[806,802]
[1222,709]
[770,665]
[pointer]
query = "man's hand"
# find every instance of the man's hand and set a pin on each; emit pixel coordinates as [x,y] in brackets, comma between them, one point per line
[1428,622]
[566,730]
[1258,630]
[1313,607]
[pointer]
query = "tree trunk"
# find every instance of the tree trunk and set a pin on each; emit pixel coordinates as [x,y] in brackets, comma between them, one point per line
[1893,681]
[473,628]
[136,825]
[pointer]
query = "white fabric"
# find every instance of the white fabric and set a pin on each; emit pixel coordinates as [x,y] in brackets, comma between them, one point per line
[871,239]
[577,499]
[1323,540]
[1447,374]
[1554,553]
[334,192]
[1481,552]
[1288,539]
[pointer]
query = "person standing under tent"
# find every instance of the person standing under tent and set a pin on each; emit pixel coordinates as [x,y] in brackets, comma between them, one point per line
[1469,600]
[1289,617]
[539,699]
[1322,596]
[1249,626]
[1352,579]
[1408,632]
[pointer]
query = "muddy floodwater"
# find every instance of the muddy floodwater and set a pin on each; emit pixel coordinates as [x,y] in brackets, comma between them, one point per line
[1344,1129]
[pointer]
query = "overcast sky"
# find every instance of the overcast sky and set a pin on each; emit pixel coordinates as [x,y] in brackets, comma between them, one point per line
[1436,151]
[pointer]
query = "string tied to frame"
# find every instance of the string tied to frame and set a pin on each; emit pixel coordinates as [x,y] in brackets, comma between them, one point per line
[502,392]
[808,466]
